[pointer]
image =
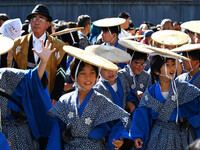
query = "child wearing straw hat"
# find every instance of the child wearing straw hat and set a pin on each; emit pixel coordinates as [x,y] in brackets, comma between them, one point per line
[24,101]
[110,29]
[111,83]
[85,117]
[191,75]
[135,73]
[160,121]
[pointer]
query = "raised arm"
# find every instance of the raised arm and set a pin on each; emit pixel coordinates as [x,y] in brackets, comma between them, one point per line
[44,55]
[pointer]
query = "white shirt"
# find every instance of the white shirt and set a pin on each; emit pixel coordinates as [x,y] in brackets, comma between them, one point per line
[114,86]
[165,94]
[123,33]
[37,45]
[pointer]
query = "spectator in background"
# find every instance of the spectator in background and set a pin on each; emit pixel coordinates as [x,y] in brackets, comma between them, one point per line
[94,33]
[84,21]
[177,26]
[147,37]
[131,29]
[3,18]
[166,24]
[25,27]
[125,25]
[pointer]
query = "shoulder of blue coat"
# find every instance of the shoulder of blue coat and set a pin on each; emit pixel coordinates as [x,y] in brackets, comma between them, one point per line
[67,97]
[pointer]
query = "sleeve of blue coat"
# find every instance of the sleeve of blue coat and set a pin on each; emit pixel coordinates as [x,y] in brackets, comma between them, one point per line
[117,132]
[36,101]
[131,97]
[55,141]
[3,142]
[141,124]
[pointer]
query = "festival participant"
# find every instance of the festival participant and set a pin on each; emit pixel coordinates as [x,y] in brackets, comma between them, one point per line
[25,58]
[111,83]
[110,29]
[85,119]
[191,75]
[25,101]
[134,72]
[160,121]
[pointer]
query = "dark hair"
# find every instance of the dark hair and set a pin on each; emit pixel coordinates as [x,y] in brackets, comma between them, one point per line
[194,54]
[67,36]
[115,29]
[4,16]
[176,23]
[74,64]
[124,15]
[83,20]
[156,62]
[137,55]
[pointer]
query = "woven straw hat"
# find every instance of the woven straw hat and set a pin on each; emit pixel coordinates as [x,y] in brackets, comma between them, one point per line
[90,58]
[109,22]
[110,53]
[136,46]
[67,30]
[167,53]
[193,26]
[186,48]
[170,37]
[5,44]
[132,37]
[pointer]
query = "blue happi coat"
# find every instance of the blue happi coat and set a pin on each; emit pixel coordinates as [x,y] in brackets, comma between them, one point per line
[90,123]
[27,89]
[123,89]
[142,82]
[195,80]
[154,120]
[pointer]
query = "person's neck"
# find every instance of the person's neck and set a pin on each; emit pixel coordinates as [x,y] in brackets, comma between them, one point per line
[38,35]
[81,95]
[113,42]
[84,32]
[112,82]
[165,85]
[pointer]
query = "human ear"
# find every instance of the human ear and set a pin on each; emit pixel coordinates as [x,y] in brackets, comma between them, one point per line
[73,78]
[156,72]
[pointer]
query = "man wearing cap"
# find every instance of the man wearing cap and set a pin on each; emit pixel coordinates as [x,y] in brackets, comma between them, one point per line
[25,58]
[147,38]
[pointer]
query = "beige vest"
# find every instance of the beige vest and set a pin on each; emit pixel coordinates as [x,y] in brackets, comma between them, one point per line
[20,54]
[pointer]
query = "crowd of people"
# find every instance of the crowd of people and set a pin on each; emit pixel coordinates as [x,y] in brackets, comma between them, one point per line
[99,84]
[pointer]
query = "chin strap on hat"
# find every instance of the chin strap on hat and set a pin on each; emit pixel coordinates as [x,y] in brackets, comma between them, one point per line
[174,88]
[76,85]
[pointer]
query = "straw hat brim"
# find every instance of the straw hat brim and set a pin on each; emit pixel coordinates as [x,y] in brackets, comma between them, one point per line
[167,52]
[90,58]
[170,37]
[110,53]
[66,31]
[132,37]
[136,46]
[109,22]
[6,44]
[186,48]
[193,26]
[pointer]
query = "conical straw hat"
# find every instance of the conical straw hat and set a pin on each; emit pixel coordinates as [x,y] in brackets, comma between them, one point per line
[110,53]
[90,58]
[5,44]
[170,37]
